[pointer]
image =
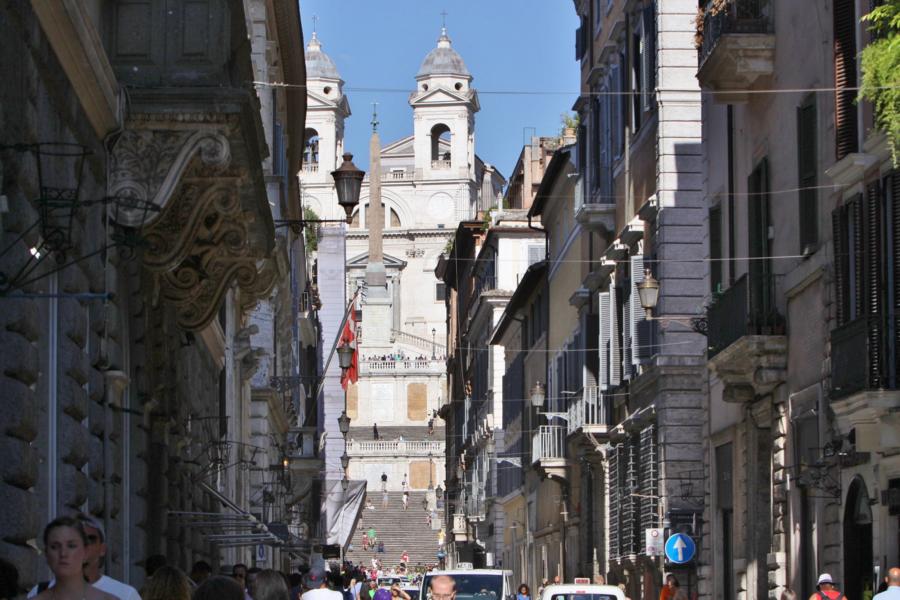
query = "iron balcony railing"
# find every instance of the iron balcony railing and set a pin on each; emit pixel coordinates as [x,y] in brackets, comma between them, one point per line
[548,443]
[590,409]
[864,356]
[746,308]
[737,16]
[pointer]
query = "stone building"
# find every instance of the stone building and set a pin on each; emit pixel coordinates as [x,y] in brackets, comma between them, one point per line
[141,178]
[802,217]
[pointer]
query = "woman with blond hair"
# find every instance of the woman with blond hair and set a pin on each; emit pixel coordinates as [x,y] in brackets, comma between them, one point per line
[167,583]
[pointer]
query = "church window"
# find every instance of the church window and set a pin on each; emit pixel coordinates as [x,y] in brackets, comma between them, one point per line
[425,86]
[439,132]
[440,292]
[327,90]
[311,147]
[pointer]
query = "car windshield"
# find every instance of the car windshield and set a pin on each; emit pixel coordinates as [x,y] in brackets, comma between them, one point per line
[471,586]
[581,596]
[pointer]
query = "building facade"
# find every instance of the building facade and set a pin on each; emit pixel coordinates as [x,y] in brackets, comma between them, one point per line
[138,239]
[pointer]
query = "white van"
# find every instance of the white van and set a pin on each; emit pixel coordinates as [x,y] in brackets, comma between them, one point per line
[577,591]
[474,584]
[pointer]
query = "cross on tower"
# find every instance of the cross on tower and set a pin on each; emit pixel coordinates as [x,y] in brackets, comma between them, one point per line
[315,20]
[444,19]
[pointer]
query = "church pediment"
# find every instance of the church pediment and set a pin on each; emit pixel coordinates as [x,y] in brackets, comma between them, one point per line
[390,262]
[442,95]
[318,102]
[402,147]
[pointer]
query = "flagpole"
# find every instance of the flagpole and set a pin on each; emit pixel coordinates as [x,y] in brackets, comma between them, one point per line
[334,346]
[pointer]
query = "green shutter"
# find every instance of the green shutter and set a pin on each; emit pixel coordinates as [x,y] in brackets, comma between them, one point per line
[807,160]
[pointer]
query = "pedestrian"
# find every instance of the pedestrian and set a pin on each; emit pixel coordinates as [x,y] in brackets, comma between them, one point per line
[397,593]
[383,481]
[219,587]
[270,585]
[315,582]
[95,554]
[788,594]
[404,485]
[404,558]
[384,500]
[523,593]
[200,572]
[826,589]
[65,545]
[373,538]
[252,572]
[167,583]
[672,590]
[893,590]
[430,426]
[380,547]
[556,580]
[375,431]
[239,572]
[544,583]
[405,500]
[365,541]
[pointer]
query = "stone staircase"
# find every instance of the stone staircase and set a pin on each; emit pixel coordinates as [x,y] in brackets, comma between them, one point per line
[400,530]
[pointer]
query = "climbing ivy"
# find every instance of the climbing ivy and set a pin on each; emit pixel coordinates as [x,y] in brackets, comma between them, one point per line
[880,64]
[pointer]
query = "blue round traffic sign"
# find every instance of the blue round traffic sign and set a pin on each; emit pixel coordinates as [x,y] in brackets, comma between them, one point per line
[680,549]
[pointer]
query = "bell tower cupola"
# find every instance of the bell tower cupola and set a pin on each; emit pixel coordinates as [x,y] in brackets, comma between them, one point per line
[327,108]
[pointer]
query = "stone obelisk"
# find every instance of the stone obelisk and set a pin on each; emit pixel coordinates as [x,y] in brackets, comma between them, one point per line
[377,308]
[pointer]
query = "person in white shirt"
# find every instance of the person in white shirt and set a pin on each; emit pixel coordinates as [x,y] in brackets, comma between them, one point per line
[316,582]
[95,554]
[893,581]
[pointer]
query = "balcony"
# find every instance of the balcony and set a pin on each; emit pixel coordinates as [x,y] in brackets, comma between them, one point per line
[548,451]
[311,167]
[862,358]
[590,414]
[737,49]
[393,367]
[441,165]
[597,217]
[460,529]
[303,450]
[747,346]
[394,448]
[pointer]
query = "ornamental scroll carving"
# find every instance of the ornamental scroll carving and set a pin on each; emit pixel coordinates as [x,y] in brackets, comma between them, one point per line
[148,164]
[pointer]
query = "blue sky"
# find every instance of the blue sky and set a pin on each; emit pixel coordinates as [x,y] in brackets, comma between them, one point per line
[521,46]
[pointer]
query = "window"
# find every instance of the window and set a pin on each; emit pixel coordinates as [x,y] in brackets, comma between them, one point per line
[807,160]
[725,510]
[439,133]
[311,147]
[643,64]
[535,253]
[440,292]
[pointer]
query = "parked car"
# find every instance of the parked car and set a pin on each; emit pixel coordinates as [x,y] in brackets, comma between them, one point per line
[578,591]
[475,584]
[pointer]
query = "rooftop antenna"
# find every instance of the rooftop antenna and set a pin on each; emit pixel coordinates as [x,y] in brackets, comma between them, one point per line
[375,116]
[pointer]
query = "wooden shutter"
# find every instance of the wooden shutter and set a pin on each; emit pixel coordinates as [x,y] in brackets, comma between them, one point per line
[807,160]
[841,264]
[627,299]
[856,247]
[873,281]
[615,348]
[845,78]
[579,41]
[894,266]
[637,314]
[648,54]
[715,248]
[603,334]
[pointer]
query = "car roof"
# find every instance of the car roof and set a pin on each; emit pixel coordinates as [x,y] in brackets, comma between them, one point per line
[581,588]
[468,572]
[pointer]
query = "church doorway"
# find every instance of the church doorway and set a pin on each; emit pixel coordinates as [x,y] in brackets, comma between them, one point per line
[857,540]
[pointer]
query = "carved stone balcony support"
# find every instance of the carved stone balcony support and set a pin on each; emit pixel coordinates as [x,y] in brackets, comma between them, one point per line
[752,366]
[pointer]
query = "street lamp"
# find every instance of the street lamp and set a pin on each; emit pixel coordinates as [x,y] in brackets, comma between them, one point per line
[345,483]
[345,356]
[538,394]
[344,423]
[348,182]
[433,333]
[648,291]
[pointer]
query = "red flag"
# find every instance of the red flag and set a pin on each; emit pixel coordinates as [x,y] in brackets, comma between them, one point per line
[348,336]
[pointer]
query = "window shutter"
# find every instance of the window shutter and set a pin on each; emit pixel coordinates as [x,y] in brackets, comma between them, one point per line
[894,265]
[648,54]
[841,263]
[615,348]
[856,248]
[626,333]
[592,350]
[873,284]
[715,248]
[603,340]
[535,254]
[845,77]
[579,41]
[637,313]
[806,167]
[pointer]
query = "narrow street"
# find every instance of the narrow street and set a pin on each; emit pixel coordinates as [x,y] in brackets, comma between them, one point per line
[409,301]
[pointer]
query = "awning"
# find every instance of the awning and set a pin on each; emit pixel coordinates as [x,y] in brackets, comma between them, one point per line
[341,510]
[231,528]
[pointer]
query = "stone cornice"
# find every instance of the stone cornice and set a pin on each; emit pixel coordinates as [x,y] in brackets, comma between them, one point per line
[80,53]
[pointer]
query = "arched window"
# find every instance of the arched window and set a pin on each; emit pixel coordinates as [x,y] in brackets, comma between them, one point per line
[311,147]
[391,217]
[440,132]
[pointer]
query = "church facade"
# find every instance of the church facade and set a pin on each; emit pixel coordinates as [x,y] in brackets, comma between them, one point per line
[428,182]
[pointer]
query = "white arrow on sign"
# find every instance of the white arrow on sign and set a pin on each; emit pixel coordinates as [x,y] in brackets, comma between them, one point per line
[679,547]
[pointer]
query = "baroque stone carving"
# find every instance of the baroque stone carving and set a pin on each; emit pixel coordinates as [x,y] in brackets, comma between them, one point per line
[147,165]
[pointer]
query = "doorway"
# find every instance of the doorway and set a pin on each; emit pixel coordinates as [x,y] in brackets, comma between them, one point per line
[857,540]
